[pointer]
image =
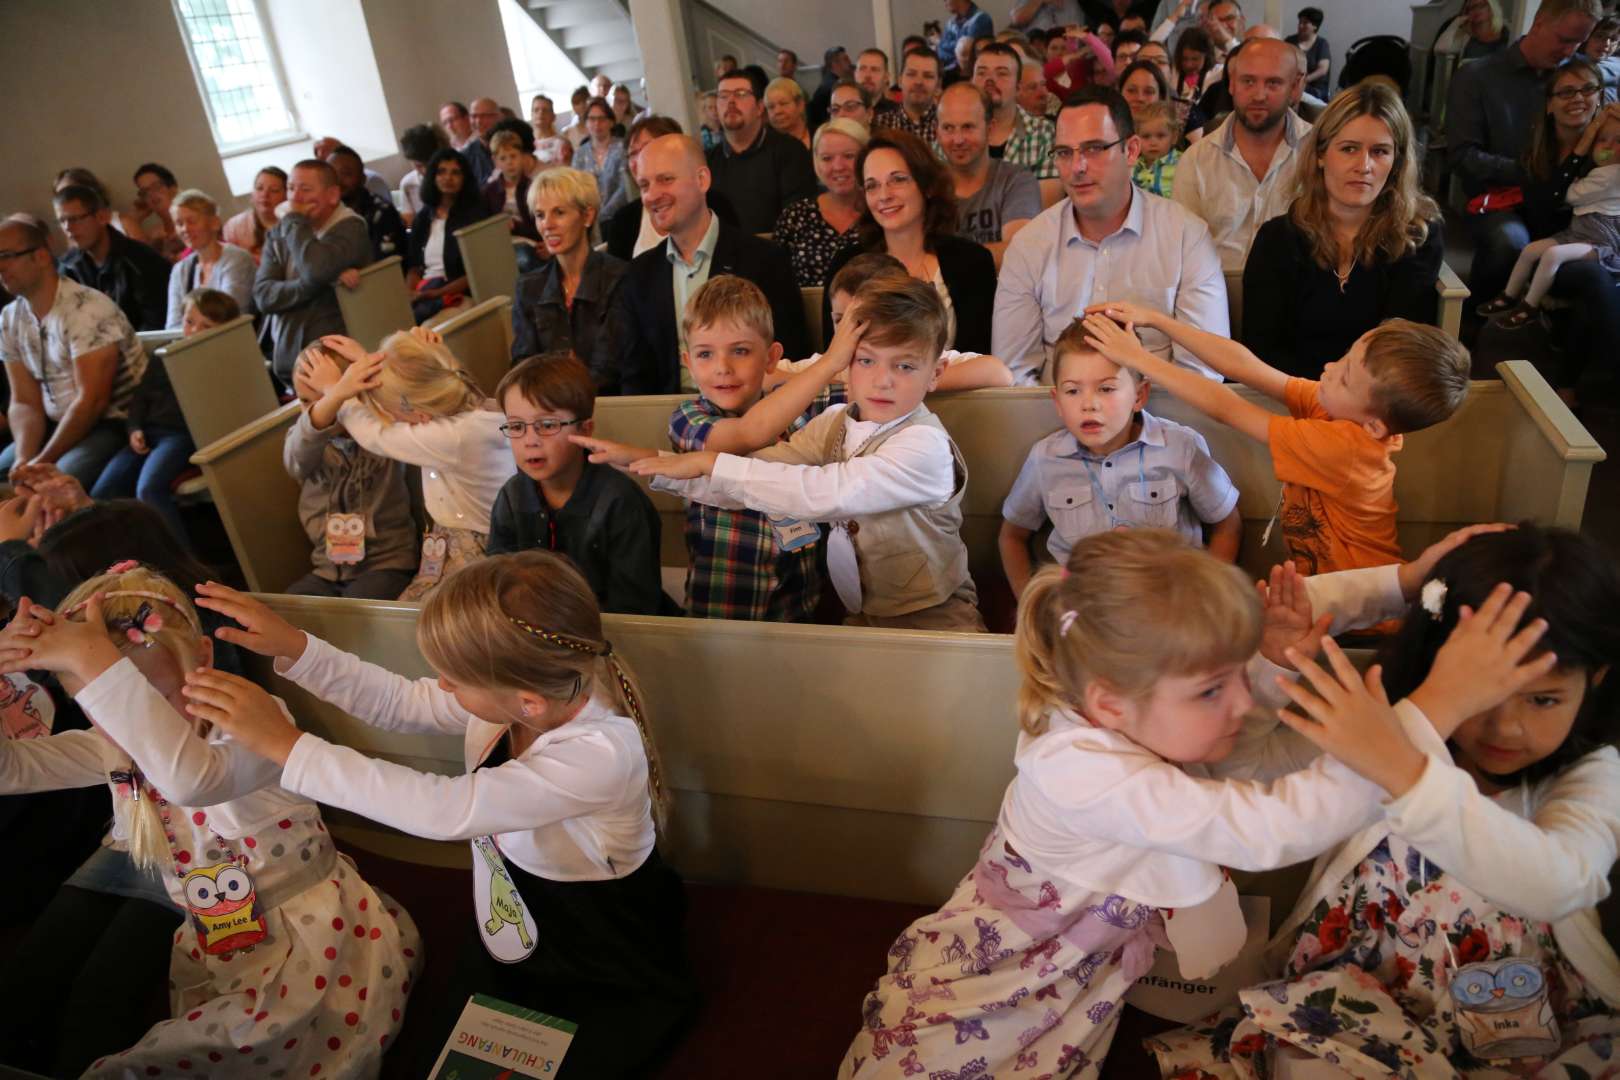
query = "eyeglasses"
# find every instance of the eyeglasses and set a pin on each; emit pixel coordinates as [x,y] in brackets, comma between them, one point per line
[840,108]
[1090,151]
[733,95]
[68,220]
[1570,93]
[6,256]
[548,427]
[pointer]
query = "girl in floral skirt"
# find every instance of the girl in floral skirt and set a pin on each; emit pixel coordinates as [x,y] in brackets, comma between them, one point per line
[290,964]
[1109,843]
[1459,935]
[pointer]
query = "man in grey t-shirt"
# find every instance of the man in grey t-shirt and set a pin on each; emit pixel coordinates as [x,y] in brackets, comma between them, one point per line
[993,199]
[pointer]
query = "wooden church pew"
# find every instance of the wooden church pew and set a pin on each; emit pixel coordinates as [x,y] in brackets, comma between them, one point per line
[257,501]
[220,379]
[380,304]
[481,338]
[486,251]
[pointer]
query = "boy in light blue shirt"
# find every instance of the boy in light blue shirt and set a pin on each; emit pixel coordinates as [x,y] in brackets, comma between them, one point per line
[1113,465]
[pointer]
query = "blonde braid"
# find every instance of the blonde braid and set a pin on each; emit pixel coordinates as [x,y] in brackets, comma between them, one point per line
[627,690]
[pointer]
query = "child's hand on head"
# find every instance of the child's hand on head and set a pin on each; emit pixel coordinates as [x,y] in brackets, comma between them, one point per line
[1288,622]
[1350,717]
[677,466]
[241,709]
[1126,313]
[1415,573]
[360,376]
[346,347]
[841,352]
[76,650]
[262,630]
[1483,662]
[608,452]
[1117,343]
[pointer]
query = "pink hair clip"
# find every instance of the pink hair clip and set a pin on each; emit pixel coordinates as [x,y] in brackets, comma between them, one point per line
[123,567]
[1067,622]
[140,627]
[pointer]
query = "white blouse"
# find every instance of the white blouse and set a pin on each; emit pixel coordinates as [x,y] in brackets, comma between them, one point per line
[572,807]
[464,459]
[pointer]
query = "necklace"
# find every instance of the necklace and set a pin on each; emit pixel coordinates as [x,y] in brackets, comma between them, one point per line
[1344,277]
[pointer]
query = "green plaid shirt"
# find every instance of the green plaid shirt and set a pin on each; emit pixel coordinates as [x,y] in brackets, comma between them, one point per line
[735,569]
[1030,145]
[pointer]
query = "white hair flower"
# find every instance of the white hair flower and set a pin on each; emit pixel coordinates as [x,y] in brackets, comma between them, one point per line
[1433,597]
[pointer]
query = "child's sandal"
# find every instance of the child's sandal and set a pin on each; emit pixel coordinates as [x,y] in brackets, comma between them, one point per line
[1519,319]
[1501,305]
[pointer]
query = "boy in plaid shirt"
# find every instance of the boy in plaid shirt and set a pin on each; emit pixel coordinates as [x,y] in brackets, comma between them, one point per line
[743,565]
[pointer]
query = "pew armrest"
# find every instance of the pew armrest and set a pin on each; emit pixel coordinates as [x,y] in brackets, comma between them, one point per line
[1452,294]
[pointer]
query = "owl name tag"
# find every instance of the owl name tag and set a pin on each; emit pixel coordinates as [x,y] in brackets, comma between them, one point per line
[345,538]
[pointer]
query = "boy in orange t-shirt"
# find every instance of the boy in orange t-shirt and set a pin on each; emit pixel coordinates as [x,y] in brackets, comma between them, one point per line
[1332,452]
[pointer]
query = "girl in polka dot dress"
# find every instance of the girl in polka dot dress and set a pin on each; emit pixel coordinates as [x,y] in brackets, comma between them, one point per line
[288,964]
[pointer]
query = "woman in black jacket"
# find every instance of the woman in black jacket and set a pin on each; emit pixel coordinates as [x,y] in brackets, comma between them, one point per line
[433,268]
[1360,243]
[568,303]
[909,211]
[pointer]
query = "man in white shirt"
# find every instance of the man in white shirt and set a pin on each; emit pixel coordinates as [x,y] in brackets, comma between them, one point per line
[71,358]
[1107,240]
[1241,175]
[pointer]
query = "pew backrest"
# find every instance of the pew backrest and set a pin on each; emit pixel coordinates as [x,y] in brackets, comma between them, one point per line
[153,340]
[481,338]
[486,252]
[220,379]
[258,501]
[811,297]
[379,305]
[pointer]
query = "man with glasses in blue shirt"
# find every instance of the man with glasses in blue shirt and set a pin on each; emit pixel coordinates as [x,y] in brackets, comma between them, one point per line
[1490,116]
[1106,240]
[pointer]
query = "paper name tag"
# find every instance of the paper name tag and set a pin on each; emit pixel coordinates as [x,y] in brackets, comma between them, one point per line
[793,534]
[495,1038]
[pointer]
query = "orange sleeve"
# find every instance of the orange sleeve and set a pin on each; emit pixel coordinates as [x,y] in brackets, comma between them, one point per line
[1301,397]
[1318,454]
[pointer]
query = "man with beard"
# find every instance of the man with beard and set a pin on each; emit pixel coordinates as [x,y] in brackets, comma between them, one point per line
[383,223]
[757,168]
[1014,136]
[697,245]
[1240,175]
[993,199]
[872,75]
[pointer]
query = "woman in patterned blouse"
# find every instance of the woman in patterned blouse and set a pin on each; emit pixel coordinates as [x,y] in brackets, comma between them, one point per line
[817,229]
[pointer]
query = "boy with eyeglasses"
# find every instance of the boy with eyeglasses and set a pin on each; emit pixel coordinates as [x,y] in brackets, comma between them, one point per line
[559,501]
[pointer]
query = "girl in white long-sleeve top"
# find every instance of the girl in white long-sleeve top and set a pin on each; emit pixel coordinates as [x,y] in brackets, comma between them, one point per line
[1133,660]
[1459,935]
[291,964]
[560,798]
[413,402]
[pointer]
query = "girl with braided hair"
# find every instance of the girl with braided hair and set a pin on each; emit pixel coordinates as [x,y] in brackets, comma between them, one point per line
[577,915]
[411,401]
[289,962]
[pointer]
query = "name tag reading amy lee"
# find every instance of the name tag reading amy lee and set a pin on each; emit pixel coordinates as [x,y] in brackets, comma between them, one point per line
[494,1038]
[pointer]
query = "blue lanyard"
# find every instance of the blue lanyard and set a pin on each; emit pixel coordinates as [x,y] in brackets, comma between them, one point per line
[1096,485]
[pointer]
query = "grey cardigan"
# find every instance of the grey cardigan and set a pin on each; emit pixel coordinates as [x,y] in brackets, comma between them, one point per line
[336,476]
[233,274]
[297,278]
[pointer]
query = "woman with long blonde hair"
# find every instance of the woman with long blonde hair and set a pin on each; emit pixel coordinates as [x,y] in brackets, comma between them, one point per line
[1360,244]
[412,401]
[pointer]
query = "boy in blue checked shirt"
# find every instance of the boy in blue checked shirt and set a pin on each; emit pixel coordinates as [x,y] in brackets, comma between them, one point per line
[743,564]
[1113,465]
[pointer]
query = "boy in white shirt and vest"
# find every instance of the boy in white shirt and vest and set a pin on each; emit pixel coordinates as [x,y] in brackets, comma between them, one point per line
[881,471]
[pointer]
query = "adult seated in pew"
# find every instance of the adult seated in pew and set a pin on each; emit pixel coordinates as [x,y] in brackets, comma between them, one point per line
[372,180]
[412,402]
[1107,239]
[305,256]
[817,229]
[593,514]
[564,796]
[211,264]
[1508,831]
[1092,474]
[550,147]
[1134,692]
[994,198]
[632,230]
[434,273]
[72,361]
[604,157]
[570,304]
[148,219]
[248,229]
[758,169]
[1360,244]
[698,245]
[383,223]
[354,506]
[920,78]
[1333,452]
[129,273]
[416,145]
[160,447]
[910,212]
[740,564]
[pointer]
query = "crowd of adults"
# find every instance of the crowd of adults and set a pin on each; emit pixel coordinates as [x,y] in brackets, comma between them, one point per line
[1087,150]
